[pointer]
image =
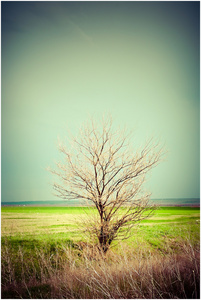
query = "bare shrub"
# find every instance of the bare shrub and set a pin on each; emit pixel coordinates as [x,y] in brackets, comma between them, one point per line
[103,171]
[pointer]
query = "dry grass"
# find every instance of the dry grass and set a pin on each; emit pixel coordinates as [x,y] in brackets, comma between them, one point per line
[37,223]
[83,273]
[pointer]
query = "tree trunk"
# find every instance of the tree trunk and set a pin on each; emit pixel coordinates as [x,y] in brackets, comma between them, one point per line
[105,239]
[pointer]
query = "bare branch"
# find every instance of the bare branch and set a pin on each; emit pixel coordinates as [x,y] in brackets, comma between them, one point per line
[100,169]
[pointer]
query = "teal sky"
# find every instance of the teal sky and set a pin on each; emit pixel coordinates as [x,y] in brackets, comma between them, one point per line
[65,61]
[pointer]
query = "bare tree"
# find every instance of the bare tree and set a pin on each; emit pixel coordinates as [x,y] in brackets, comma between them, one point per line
[102,170]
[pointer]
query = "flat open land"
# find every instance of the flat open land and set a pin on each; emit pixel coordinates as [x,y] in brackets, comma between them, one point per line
[43,256]
[61,223]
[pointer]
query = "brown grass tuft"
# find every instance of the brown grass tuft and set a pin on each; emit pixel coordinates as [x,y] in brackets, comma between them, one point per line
[83,273]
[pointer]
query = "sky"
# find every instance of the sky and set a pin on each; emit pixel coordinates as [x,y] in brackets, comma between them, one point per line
[63,62]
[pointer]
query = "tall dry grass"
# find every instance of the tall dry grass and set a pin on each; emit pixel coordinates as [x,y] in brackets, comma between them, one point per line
[84,273]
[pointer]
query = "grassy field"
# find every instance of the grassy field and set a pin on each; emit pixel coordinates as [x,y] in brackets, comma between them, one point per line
[44,256]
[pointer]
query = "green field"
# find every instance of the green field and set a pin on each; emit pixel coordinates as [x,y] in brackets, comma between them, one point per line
[41,244]
[64,223]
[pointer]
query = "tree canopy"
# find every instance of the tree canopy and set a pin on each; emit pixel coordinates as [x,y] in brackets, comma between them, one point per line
[102,170]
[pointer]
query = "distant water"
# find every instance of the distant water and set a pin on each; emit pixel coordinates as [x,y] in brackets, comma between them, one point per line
[43,203]
[177,202]
[159,202]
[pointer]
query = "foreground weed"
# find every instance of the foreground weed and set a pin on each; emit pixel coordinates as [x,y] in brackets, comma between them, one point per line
[65,271]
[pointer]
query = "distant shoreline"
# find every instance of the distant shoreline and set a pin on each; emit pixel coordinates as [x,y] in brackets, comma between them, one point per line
[176,202]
